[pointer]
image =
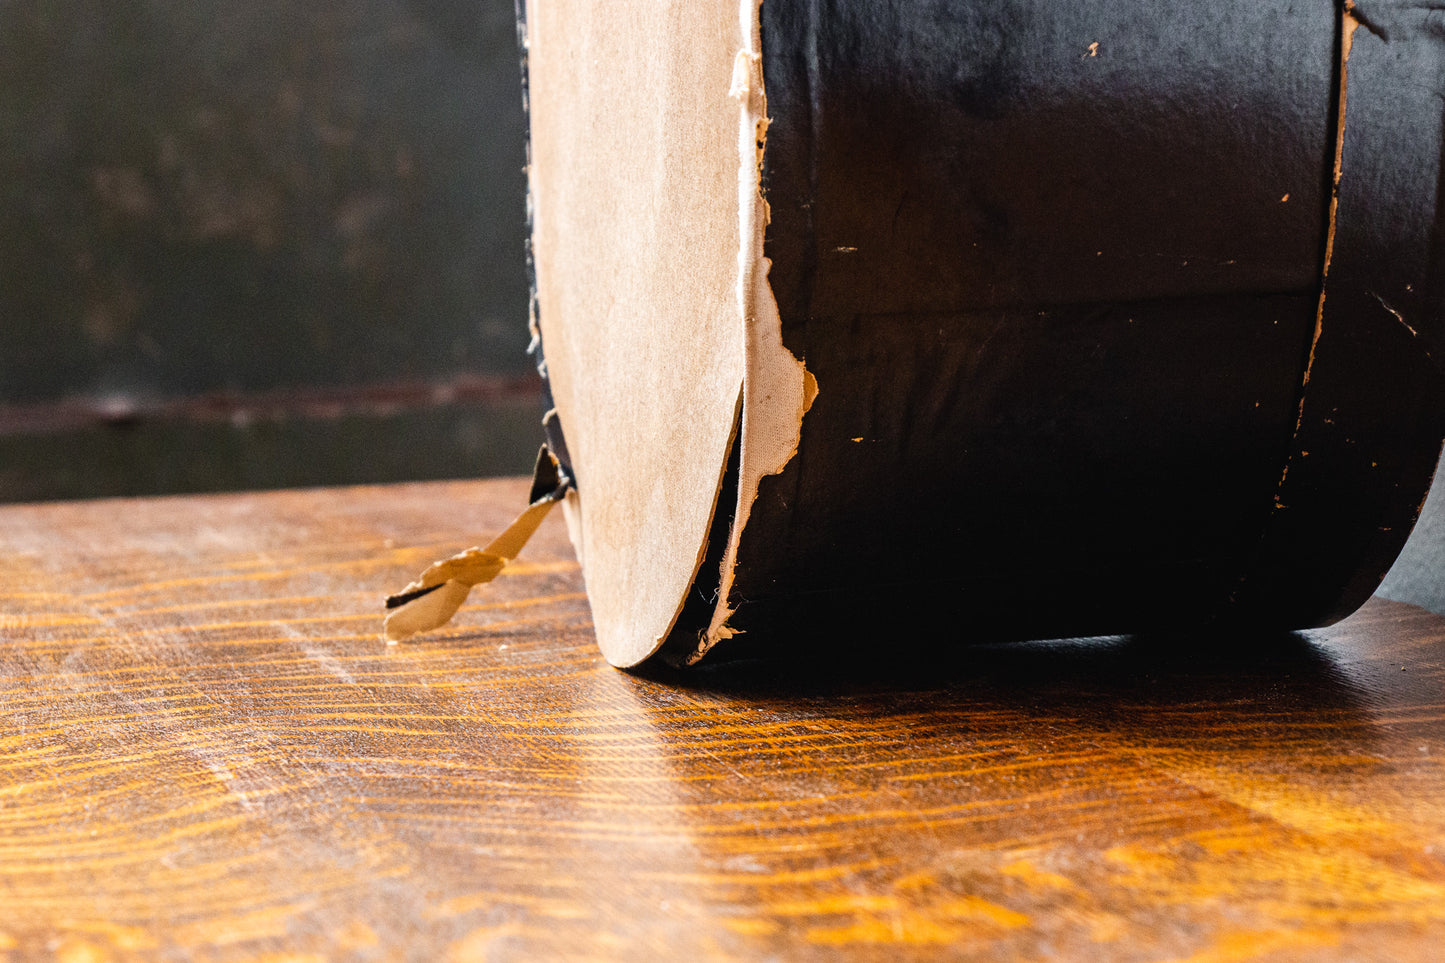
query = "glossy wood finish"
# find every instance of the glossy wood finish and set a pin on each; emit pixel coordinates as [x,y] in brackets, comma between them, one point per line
[208,753]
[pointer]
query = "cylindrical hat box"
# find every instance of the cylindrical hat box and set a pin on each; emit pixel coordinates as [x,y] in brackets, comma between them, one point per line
[1068,319]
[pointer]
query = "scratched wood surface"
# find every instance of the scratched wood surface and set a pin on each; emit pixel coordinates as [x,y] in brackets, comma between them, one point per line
[207,754]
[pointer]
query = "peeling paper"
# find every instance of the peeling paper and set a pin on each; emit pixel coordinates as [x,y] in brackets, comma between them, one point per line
[777,388]
[431,601]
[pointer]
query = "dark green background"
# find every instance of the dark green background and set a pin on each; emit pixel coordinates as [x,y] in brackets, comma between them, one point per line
[202,197]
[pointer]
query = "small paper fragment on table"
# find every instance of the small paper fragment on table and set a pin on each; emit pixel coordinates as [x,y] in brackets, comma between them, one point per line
[427,610]
[432,600]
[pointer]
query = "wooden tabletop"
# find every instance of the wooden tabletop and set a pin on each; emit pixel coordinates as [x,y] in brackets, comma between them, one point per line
[209,754]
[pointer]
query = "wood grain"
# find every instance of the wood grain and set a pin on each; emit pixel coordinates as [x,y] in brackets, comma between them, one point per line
[208,754]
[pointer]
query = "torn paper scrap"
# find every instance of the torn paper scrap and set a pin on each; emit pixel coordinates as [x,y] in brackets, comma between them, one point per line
[431,601]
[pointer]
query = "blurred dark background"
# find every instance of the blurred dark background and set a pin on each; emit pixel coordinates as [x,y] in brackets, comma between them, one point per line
[260,244]
[275,243]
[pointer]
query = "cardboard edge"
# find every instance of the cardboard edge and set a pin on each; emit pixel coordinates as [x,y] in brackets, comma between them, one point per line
[573,506]
[777,388]
[660,641]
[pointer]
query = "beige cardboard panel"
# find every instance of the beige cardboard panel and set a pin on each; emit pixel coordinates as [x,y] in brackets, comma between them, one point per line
[634,185]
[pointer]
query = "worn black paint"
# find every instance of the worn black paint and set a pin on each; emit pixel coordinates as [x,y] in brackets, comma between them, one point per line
[1374,410]
[1041,261]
